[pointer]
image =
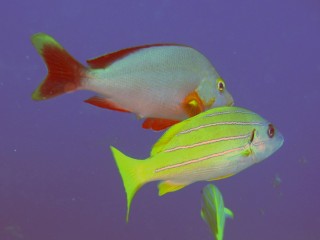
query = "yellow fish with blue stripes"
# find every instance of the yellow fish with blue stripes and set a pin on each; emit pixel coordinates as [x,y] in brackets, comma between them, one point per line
[213,145]
[213,211]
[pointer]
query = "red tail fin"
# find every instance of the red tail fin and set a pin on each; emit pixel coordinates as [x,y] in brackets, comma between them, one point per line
[64,72]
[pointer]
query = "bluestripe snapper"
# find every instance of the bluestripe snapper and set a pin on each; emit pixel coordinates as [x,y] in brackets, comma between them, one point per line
[213,145]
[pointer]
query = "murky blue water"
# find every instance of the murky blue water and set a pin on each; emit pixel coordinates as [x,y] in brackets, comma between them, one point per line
[58,180]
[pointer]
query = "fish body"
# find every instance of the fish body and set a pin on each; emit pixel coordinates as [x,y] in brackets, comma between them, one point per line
[213,211]
[213,145]
[165,83]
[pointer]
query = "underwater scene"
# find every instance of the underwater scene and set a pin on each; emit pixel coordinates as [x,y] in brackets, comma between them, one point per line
[159,120]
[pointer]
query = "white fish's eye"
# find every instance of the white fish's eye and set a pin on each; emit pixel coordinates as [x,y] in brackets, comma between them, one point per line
[221,86]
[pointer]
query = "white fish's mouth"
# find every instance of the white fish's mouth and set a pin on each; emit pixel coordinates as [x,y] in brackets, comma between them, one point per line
[230,101]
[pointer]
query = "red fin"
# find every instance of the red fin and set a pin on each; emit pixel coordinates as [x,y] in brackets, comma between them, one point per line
[192,104]
[105,103]
[64,72]
[158,124]
[106,60]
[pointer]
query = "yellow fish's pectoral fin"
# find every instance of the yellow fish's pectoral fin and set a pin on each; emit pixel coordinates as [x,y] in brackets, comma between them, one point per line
[167,186]
[219,178]
[193,104]
[158,124]
[247,152]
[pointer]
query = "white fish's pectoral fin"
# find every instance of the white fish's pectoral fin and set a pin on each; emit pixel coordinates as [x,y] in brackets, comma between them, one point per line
[167,186]
[228,213]
[192,104]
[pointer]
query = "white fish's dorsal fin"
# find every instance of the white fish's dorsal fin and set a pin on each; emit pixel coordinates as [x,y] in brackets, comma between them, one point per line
[228,213]
[167,136]
[107,59]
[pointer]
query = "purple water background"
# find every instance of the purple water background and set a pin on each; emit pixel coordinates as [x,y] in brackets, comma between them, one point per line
[58,180]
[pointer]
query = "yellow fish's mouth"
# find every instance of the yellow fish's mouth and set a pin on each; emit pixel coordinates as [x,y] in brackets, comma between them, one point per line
[230,103]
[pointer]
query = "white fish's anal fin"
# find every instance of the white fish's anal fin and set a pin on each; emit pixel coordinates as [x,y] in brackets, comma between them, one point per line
[228,213]
[158,124]
[105,103]
[167,186]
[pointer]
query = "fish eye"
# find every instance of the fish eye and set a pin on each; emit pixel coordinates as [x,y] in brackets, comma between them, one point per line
[221,86]
[271,131]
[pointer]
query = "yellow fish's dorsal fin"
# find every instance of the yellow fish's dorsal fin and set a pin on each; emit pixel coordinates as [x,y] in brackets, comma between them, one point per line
[167,186]
[167,136]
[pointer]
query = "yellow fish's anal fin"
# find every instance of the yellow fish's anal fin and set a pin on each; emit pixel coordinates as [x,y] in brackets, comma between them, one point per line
[167,186]
[192,104]
[219,178]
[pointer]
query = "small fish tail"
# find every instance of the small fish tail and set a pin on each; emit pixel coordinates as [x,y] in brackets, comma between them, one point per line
[64,72]
[132,174]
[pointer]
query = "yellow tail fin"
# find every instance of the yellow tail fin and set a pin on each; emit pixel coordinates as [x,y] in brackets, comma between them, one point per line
[132,174]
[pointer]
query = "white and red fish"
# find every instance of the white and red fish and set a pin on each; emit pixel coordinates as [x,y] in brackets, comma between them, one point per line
[164,83]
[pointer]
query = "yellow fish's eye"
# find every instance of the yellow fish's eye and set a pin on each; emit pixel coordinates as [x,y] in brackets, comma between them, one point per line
[271,131]
[221,86]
